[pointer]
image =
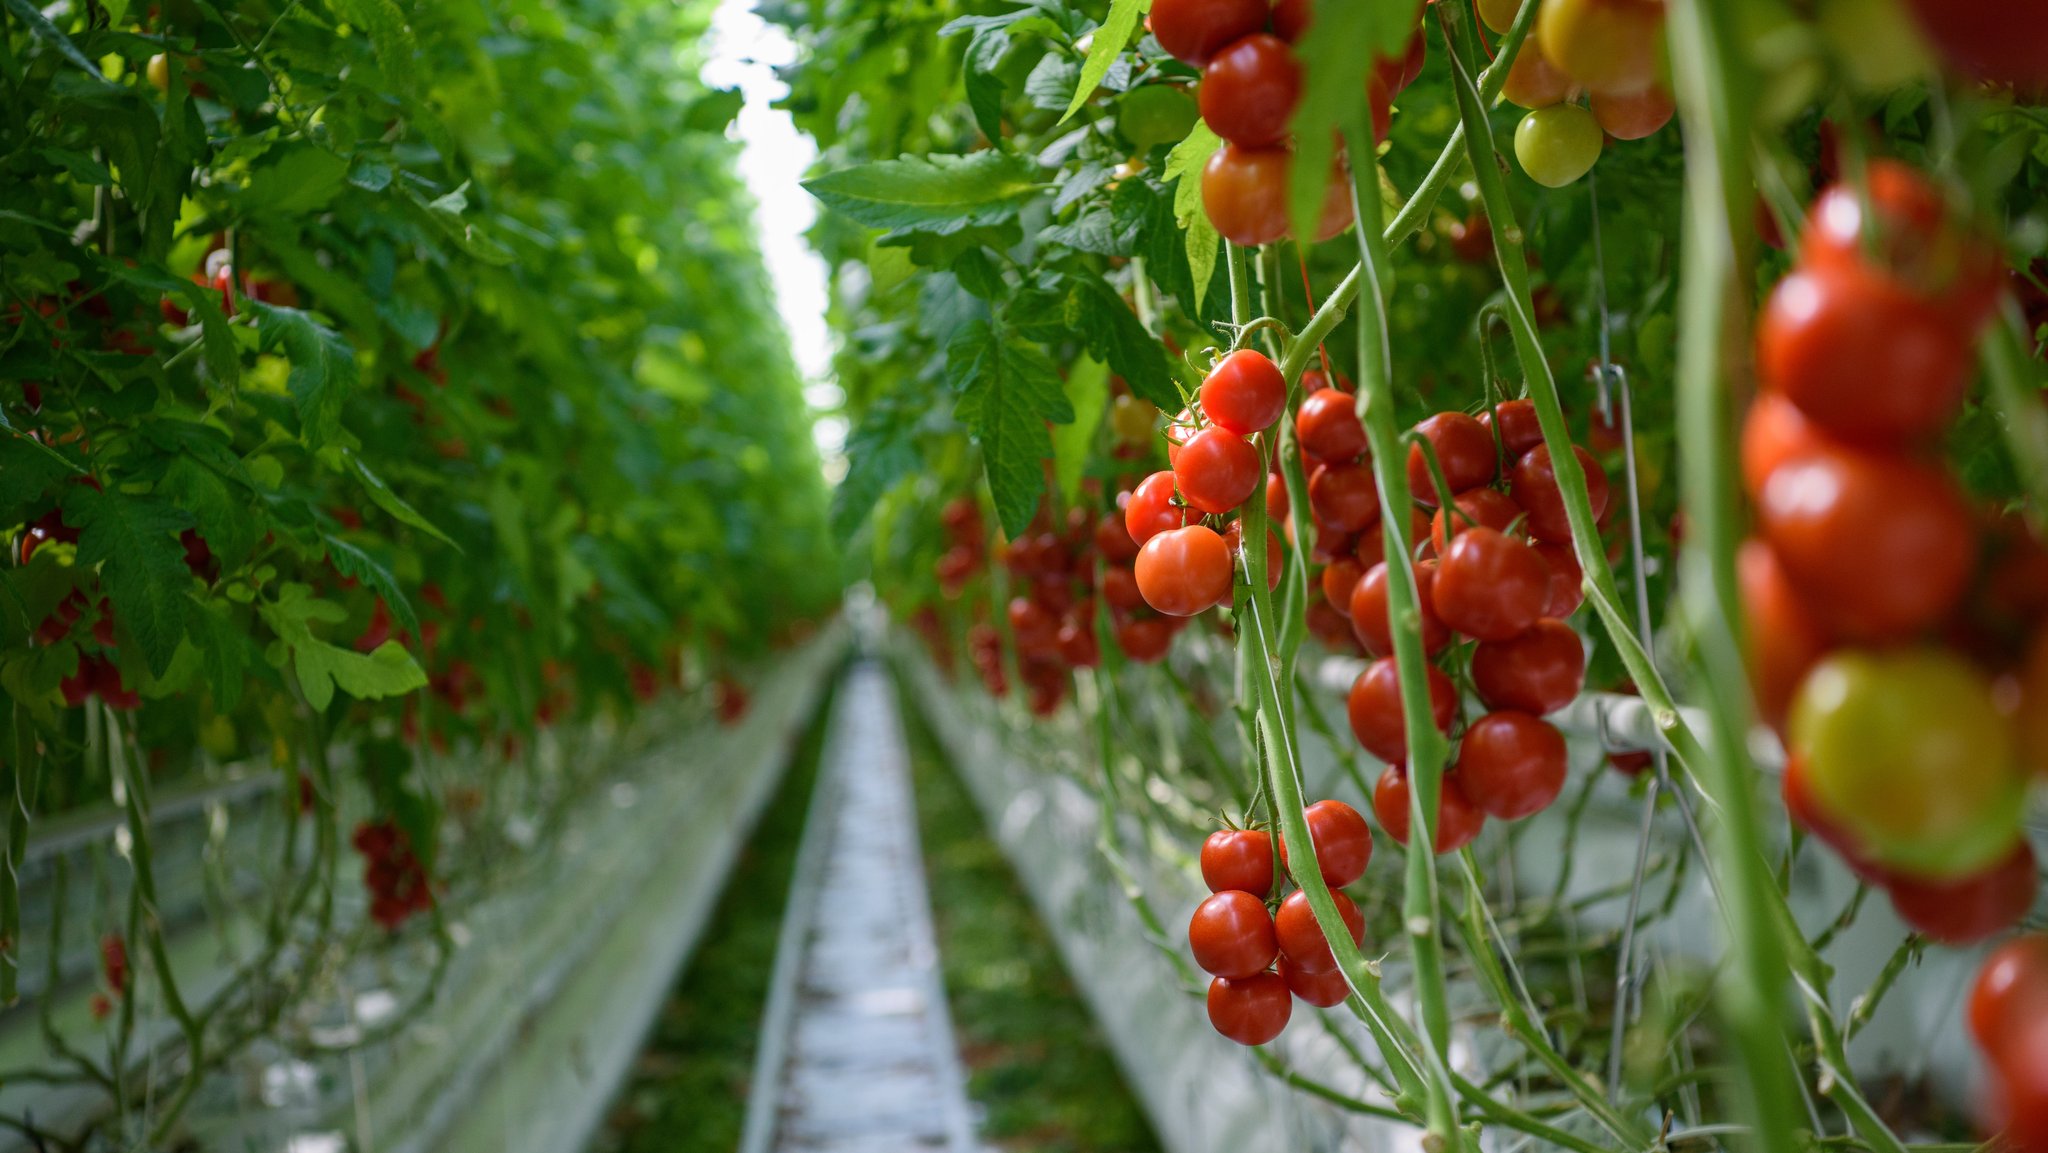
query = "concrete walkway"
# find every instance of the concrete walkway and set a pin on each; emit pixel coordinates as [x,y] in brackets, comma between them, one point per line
[857,1051]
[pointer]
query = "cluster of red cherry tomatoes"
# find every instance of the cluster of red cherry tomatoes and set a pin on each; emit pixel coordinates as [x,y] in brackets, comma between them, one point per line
[1869,650]
[1184,565]
[1605,49]
[392,873]
[1251,83]
[1260,956]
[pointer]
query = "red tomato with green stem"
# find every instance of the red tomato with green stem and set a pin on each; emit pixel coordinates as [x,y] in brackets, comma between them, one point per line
[1374,708]
[1231,935]
[1240,859]
[1150,509]
[1342,839]
[1490,586]
[1538,671]
[1463,448]
[1244,393]
[1511,765]
[1250,89]
[1520,429]
[1244,191]
[1479,507]
[1328,427]
[1371,614]
[1193,31]
[1340,581]
[1534,487]
[1217,470]
[1323,990]
[1184,571]
[1457,822]
[1343,496]
[1301,939]
[1252,1010]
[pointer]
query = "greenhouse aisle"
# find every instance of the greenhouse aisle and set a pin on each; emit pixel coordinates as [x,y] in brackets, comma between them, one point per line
[858,1051]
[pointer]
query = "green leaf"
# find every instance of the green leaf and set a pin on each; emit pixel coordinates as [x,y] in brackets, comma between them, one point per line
[1088,388]
[201,303]
[1109,42]
[321,667]
[39,24]
[389,37]
[226,526]
[880,452]
[223,651]
[382,496]
[1185,164]
[940,194]
[351,561]
[295,181]
[1337,61]
[133,540]
[715,110]
[323,367]
[984,84]
[370,171]
[447,214]
[28,469]
[1115,334]
[1008,391]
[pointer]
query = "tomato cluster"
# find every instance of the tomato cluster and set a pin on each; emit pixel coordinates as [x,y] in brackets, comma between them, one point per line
[1496,567]
[1251,83]
[1867,648]
[2008,1018]
[392,873]
[1606,50]
[1264,954]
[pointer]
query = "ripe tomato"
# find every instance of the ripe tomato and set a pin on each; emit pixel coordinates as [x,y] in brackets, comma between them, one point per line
[1482,508]
[1240,859]
[1340,581]
[1192,31]
[1277,505]
[1183,571]
[1179,431]
[1374,707]
[1343,497]
[1120,588]
[1244,190]
[1533,81]
[1291,19]
[1250,1011]
[1558,144]
[1342,839]
[1880,547]
[1113,540]
[1033,626]
[1537,672]
[1244,393]
[1155,114]
[1275,559]
[1149,509]
[1783,641]
[1969,909]
[1145,639]
[1511,765]
[1520,430]
[1231,934]
[1371,616]
[2000,42]
[1773,432]
[1633,115]
[1490,586]
[1328,426]
[2011,988]
[1077,644]
[1606,45]
[1323,990]
[1371,548]
[1907,751]
[1567,579]
[1464,450]
[1457,822]
[1920,245]
[1535,488]
[1250,89]
[1301,940]
[1217,470]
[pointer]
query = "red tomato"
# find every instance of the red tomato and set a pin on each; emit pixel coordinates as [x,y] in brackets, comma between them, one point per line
[1192,31]
[1457,822]
[1371,616]
[1323,990]
[1120,587]
[1633,115]
[1250,89]
[1880,547]
[1805,812]
[1343,497]
[1535,488]
[1464,449]
[1217,470]
[1302,942]
[1968,909]
[1231,935]
[1538,671]
[1606,45]
[1277,506]
[1533,81]
[1149,509]
[1567,579]
[1239,859]
[1033,627]
[1145,640]
[1244,190]
[1077,644]
[1374,707]
[1331,545]
[2011,987]
[1783,640]
[1342,839]
[1863,358]
[1920,246]
[2017,1051]
[1113,540]
[1250,1011]
[1328,426]
[1511,765]
[2002,42]
[1183,571]
[1489,586]
[1275,559]
[1244,392]
[1330,627]
[1484,507]
[1773,432]
[1520,430]
[1372,543]
[1340,582]
[1290,19]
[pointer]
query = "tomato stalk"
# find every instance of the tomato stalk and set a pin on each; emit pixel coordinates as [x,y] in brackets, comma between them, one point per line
[25,776]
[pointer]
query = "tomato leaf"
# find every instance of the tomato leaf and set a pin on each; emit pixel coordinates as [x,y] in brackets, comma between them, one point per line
[985,54]
[133,540]
[224,652]
[321,667]
[1088,388]
[1184,164]
[39,24]
[1008,391]
[382,496]
[941,194]
[880,452]
[323,367]
[1109,43]
[28,469]
[351,561]
[389,38]
[1114,334]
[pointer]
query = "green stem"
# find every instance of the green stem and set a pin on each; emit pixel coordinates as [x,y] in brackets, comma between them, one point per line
[2017,400]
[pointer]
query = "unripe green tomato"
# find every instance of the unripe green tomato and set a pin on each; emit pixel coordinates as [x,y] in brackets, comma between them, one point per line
[1879,46]
[1558,144]
[159,72]
[1132,420]
[1155,114]
[1906,750]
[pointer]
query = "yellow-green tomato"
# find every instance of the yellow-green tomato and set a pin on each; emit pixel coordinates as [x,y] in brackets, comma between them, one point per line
[1558,144]
[1132,420]
[1155,114]
[1499,14]
[1908,752]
